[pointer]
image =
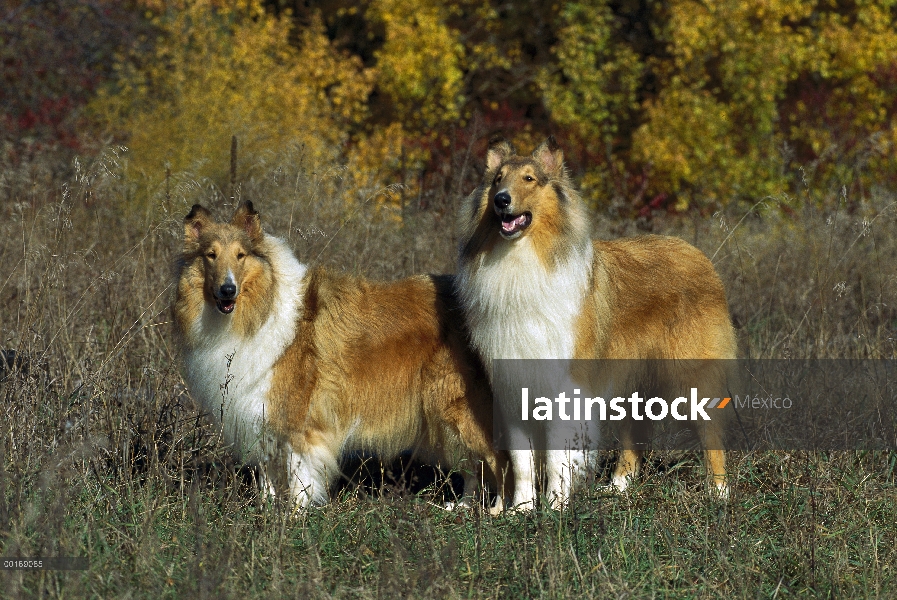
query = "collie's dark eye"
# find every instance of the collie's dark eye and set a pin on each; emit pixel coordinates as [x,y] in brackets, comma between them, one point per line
[241,255]
[498,178]
[210,255]
[529,178]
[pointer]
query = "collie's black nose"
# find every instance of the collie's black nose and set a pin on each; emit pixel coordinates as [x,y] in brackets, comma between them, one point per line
[227,291]
[502,200]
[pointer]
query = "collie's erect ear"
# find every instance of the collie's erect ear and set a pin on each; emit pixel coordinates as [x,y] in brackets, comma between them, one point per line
[499,150]
[247,219]
[550,156]
[196,220]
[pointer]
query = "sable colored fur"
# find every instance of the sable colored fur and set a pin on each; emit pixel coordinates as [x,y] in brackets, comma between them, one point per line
[535,285]
[301,366]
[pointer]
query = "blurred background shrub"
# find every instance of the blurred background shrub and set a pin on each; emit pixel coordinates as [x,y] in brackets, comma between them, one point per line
[662,106]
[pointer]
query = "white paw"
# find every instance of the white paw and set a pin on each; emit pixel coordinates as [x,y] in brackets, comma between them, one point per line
[462,504]
[498,507]
[721,491]
[620,483]
[524,505]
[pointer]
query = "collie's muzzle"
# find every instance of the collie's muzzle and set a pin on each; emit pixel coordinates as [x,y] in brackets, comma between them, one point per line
[511,225]
[226,298]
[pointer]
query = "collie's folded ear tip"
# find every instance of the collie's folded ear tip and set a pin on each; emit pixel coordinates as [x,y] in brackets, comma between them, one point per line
[197,211]
[496,140]
[500,143]
[551,144]
[498,150]
[247,218]
[245,209]
[195,222]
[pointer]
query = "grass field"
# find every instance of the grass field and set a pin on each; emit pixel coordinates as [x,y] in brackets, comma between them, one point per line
[104,455]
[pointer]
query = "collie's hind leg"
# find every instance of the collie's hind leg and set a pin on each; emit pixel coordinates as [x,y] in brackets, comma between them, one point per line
[711,433]
[715,459]
[471,487]
[475,431]
[629,459]
[494,468]
[473,484]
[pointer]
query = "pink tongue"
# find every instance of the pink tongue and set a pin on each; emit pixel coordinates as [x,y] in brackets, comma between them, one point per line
[512,225]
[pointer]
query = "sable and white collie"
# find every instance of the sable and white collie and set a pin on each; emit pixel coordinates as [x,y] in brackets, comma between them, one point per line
[534,285]
[300,366]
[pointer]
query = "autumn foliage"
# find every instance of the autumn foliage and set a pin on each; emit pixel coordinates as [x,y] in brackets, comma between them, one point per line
[674,105]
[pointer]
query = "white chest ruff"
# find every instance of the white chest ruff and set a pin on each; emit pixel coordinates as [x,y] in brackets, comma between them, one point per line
[231,375]
[516,308]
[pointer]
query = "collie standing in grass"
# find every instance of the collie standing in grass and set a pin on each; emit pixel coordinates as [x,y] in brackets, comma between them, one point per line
[534,285]
[300,366]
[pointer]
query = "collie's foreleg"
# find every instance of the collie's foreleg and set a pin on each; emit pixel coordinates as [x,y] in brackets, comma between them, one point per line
[563,469]
[310,474]
[524,464]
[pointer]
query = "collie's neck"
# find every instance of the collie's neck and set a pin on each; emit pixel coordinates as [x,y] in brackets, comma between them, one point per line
[517,307]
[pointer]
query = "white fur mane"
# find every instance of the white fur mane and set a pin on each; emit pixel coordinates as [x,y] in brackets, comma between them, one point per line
[517,308]
[230,374]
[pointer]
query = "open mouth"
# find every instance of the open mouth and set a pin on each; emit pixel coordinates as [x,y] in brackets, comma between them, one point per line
[512,225]
[225,306]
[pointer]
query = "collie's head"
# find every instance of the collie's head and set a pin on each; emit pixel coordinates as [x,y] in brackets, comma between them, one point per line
[525,200]
[224,268]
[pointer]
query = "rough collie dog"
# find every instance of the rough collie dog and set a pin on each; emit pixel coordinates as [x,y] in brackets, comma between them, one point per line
[533,284]
[300,366]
